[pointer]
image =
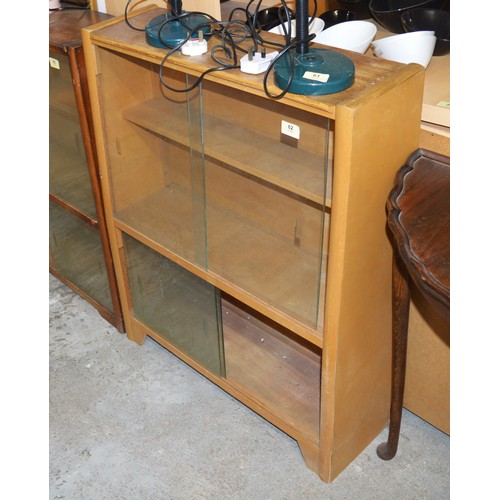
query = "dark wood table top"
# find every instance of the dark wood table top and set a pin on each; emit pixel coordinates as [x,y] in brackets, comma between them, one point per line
[419,218]
[65,25]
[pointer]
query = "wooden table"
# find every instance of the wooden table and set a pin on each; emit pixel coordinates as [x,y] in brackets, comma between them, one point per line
[418,215]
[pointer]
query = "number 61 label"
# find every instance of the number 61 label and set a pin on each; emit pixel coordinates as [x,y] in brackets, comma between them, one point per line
[319,77]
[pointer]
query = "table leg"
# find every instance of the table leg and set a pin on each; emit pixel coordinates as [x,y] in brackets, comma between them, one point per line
[400,315]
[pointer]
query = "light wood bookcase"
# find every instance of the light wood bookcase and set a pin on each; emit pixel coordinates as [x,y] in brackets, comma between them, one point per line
[259,259]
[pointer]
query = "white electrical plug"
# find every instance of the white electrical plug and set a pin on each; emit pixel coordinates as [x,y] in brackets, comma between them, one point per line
[258,63]
[195,46]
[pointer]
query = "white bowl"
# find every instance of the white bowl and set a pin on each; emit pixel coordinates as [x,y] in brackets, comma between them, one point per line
[410,34]
[315,27]
[351,35]
[416,48]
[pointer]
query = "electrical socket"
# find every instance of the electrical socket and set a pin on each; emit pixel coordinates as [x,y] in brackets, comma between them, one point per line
[256,64]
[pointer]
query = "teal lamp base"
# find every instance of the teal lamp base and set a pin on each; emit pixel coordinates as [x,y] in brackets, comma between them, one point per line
[316,72]
[171,34]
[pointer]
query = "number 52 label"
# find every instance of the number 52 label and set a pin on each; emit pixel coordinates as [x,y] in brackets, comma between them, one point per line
[290,129]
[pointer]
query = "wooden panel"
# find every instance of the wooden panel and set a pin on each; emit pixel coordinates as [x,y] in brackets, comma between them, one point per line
[435,138]
[436,107]
[357,343]
[427,390]
[280,372]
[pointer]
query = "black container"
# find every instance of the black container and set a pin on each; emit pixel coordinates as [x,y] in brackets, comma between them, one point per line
[268,19]
[332,17]
[430,20]
[358,7]
[388,12]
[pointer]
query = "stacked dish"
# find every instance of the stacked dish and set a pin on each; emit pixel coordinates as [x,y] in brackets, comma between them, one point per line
[388,12]
[415,47]
[337,16]
[430,19]
[353,35]
[316,26]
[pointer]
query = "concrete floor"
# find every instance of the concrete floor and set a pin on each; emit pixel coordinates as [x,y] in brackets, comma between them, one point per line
[133,422]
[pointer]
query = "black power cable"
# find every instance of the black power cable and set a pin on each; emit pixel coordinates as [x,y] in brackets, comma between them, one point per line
[226,37]
[232,33]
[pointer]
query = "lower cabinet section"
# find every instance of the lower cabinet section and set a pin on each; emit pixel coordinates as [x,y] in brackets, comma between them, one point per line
[269,368]
[180,307]
[274,366]
[76,253]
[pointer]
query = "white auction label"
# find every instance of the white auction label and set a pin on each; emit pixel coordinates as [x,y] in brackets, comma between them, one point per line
[290,129]
[54,63]
[319,77]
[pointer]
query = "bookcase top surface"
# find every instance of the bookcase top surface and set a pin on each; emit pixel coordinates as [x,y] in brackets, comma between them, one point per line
[65,26]
[371,74]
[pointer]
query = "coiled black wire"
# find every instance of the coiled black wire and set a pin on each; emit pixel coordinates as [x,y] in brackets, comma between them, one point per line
[227,36]
[232,33]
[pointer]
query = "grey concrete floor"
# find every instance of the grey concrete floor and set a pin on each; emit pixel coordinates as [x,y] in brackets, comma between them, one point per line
[134,422]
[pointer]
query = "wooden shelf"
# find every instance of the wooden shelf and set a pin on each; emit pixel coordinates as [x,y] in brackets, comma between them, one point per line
[254,154]
[265,368]
[230,256]
[278,371]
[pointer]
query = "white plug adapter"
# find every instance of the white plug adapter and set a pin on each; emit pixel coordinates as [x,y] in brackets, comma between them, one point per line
[194,47]
[256,64]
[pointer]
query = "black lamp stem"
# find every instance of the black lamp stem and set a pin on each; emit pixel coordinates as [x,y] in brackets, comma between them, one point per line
[175,7]
[302,26]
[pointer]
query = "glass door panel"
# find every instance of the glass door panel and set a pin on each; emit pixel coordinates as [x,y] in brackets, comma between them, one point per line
[68,168]
[154,155]
[266,198]
[177,305]
[76,253]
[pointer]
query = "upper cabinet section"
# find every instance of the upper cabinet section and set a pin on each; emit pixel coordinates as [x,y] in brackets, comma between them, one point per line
[231,183]
[69,174]
[369,71]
